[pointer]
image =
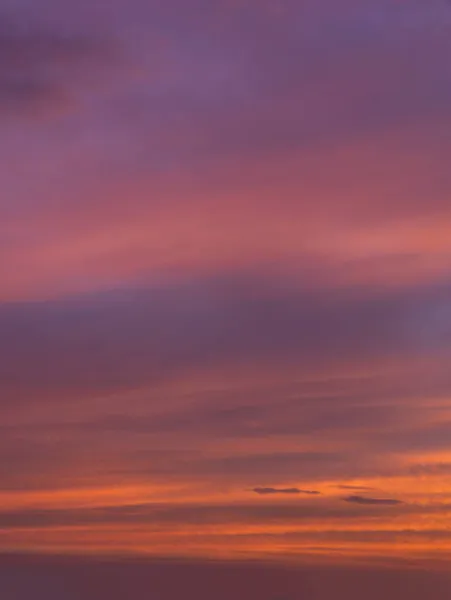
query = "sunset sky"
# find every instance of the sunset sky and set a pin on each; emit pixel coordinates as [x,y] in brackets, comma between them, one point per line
[225,292]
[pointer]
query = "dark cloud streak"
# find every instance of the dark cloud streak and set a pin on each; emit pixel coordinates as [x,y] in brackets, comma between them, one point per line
[264,491]
[372,501]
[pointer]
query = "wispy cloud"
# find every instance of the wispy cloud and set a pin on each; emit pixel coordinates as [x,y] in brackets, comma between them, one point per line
[263,491]
[363,488]
[370,501]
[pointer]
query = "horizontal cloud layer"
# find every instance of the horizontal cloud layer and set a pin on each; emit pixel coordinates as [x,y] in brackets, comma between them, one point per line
[374,501]
[270,491]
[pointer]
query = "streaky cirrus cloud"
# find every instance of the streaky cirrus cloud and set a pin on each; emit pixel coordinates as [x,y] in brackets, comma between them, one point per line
[265,491]
[373,501]
[142,335]
[362,488]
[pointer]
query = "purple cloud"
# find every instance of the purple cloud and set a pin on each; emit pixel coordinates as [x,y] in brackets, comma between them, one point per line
[264,491]
[372,501]
[43,71]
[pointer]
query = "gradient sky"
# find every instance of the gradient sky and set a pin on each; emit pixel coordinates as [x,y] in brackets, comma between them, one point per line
[225,293]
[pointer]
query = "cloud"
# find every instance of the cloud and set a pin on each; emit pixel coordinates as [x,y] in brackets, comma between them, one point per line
[363,488]
[225,158]
[358,52]
[43,71]
[146,335]
[160,514]
[375,501]
[431,468]
[269,490]
[109,344]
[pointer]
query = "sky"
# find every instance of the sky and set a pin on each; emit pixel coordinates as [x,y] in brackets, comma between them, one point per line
[225,258]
